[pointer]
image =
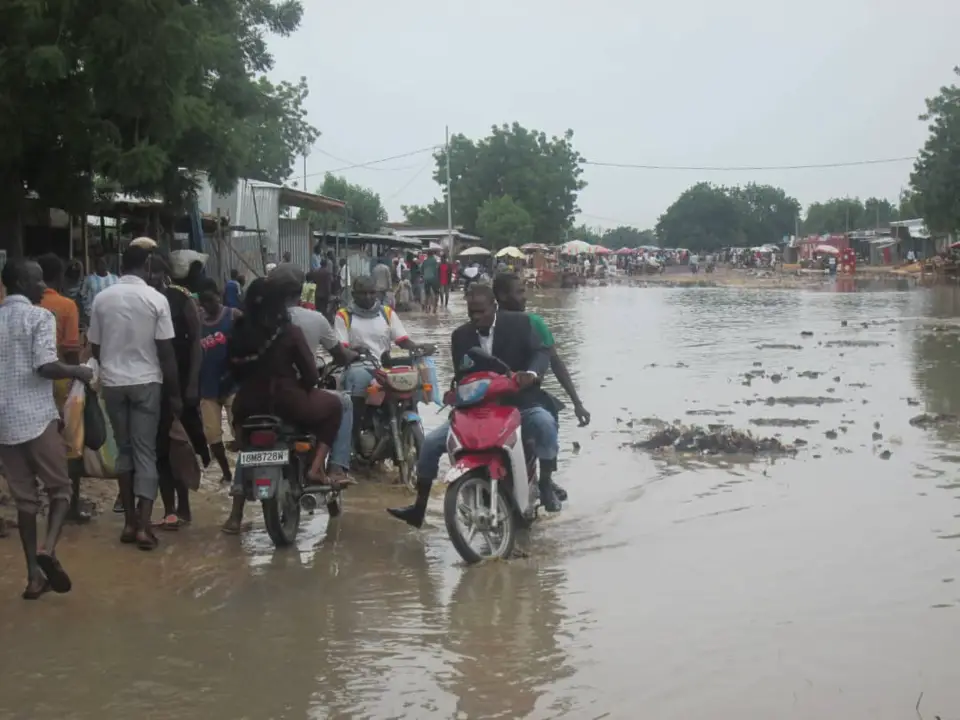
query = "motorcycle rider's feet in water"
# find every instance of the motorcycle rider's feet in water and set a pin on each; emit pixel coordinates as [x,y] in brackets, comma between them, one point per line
[413,515]
[548,493]
[234,523]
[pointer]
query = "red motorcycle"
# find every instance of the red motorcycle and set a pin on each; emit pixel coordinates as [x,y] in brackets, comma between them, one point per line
[492,482]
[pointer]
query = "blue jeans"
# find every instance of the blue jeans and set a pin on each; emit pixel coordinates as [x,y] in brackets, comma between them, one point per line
[536,424]
[356,380]
[340,452]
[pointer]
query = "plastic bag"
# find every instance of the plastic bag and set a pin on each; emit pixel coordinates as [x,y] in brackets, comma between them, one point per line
[428,374]
[181,260]
[101,463]
[73,420]
[94,422]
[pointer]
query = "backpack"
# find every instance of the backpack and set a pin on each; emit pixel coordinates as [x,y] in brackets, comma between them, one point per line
[386,312]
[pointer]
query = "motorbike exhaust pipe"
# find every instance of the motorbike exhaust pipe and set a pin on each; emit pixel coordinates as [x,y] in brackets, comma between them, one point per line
[309,503]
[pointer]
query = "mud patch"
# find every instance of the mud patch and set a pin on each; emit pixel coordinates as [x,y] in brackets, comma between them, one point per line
[782,422]
[778,346]
[713,440]
[928,420]
[794,401]
[853,343]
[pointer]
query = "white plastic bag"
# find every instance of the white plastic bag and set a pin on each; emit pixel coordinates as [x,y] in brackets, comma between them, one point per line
[181,260]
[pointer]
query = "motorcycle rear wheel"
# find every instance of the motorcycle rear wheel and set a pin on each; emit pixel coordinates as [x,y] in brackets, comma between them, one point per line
[281,515]
[475,486]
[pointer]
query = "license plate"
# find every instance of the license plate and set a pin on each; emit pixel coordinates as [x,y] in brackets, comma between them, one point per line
[264,457]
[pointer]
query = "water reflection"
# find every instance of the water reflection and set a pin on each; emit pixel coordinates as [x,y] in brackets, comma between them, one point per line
[811,587]
[505,622]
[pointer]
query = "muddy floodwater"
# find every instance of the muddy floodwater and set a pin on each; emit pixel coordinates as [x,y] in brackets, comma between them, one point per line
[823,584]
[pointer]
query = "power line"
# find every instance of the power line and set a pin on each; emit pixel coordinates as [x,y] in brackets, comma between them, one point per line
[350,163]
[354,166]
[409,182]
[749,168]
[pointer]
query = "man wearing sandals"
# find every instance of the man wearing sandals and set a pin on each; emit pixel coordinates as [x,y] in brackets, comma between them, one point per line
[131,333]
[31,447]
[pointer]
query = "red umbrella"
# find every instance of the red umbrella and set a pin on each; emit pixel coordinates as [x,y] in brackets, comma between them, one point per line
[601,250]
[625,251]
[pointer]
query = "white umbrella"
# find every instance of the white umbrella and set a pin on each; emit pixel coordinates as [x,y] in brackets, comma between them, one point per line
[511,251]
[576,247]
[435,246]
[827,249]
[475,251]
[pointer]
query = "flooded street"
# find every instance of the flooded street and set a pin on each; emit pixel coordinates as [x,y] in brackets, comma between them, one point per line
[823,585]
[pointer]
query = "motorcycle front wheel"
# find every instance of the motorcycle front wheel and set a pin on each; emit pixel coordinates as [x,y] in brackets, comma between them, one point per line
[411,440]
[468,514]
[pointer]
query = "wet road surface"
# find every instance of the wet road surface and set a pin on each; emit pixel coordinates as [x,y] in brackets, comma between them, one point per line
[819,586]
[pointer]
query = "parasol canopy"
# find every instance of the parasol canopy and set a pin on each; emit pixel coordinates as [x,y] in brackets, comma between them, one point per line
[511,251]
[601,250]
[534,247]
[475,251]
[625,251]
[576,247]
[827,249]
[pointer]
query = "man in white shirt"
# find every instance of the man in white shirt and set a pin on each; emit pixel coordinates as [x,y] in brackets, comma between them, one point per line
[130,333]
[31,447]
[367,324]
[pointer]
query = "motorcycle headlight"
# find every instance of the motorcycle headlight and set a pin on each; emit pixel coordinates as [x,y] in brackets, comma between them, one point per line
[472,392]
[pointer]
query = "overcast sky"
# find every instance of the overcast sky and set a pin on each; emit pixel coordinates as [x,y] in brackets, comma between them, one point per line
[685,82]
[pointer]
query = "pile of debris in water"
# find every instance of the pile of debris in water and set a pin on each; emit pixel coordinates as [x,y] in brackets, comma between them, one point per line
[713,440]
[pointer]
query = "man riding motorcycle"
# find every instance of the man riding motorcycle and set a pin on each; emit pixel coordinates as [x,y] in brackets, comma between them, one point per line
[510,337]
[511,294]
[368,324]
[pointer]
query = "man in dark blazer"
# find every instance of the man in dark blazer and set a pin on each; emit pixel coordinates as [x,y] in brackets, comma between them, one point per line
[511,338]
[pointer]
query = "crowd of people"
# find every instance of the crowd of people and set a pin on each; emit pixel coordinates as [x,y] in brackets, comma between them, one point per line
[173,357]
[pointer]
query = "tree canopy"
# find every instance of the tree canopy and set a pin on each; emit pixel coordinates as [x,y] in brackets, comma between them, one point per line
[540,173]
[936,174]
[132,92]
[503,222]
[709,217]
[839,215]
[365,211]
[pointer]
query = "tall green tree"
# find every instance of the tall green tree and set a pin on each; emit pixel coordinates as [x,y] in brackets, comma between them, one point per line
[365,212]
[541,174]
[936,174]
[134,91]
[433,215]
[503,222]
[768,213]
[704,217]
[839,215]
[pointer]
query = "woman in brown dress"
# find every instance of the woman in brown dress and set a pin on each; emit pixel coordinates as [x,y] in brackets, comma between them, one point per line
[277,375]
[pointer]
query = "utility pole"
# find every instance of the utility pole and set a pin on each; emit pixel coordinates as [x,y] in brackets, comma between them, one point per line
[449,196]
[305,172]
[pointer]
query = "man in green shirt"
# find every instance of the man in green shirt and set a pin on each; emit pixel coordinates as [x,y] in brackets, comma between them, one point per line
[431,282]
[511,294]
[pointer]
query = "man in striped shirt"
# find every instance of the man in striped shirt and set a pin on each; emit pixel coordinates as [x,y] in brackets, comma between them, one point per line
[94,283]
